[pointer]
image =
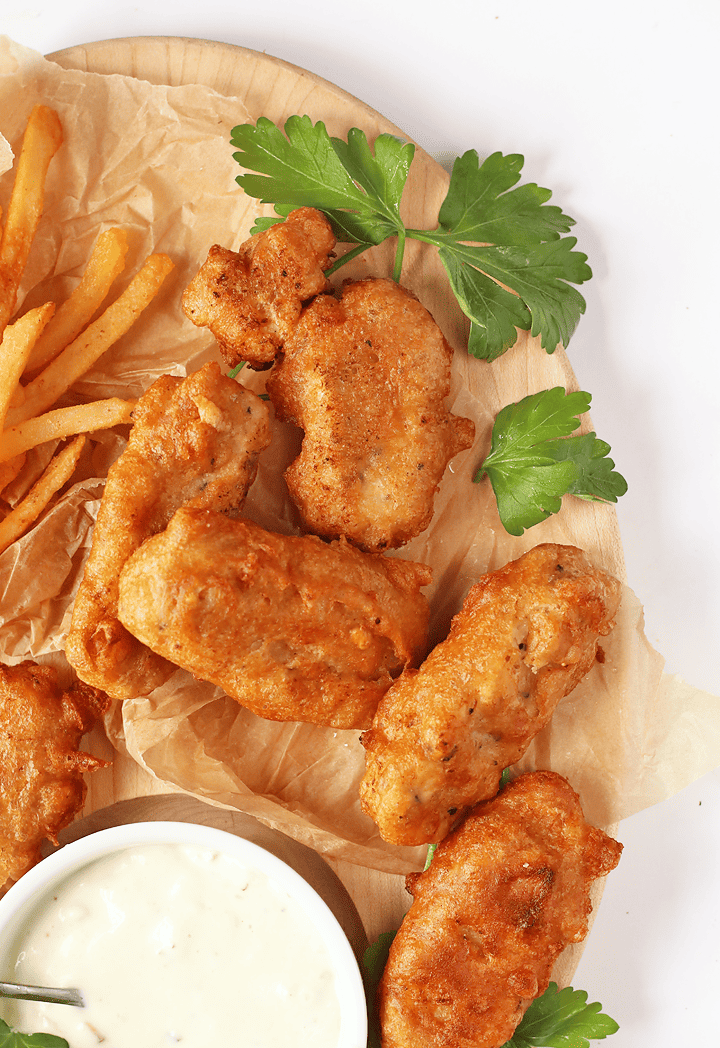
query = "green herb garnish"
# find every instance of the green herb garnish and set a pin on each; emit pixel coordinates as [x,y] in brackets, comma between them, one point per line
[500,243]
[432,848]
[234,372]
[373,964]
[562,1019]
[534,460]
[12,1039]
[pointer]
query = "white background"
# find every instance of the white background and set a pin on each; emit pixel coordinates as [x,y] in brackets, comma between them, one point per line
[615,106]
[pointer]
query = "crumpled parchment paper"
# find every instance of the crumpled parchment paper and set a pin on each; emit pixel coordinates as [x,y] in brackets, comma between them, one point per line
[157,161]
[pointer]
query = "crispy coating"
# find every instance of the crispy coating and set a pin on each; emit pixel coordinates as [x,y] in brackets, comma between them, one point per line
[194,441]
[293,628]
[503,896]
[41,769]
[251,299]
[366,377]
[525,637]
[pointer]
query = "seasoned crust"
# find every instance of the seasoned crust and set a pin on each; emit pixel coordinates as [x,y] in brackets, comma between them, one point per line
[194,440]
[366,377]
[503,896]
[293,628]
[524,638]
[41,768]
[251,299]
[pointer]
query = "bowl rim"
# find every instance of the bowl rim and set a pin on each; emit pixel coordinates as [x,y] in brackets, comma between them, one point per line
[76,854]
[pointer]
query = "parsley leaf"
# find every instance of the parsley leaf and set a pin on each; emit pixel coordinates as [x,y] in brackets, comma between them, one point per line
[430,855]
[12,1039]
[534,461]
[562,1019]
[501,243]
[596,480]
[373,964]
[493,234]
[358,191]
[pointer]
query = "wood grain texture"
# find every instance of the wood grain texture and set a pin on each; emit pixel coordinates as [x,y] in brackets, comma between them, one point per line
[270,87]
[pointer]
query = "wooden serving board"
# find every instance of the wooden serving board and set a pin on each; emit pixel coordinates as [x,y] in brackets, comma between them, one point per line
[276,89]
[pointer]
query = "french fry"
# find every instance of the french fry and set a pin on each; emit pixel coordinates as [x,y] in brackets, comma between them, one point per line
[105,264]
[9,470]
[61,468]
[15,349]
[80,355]
[42,139]
[18,396]
[64,422]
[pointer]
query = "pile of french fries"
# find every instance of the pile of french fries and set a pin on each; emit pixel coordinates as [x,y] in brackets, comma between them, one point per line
[44,351]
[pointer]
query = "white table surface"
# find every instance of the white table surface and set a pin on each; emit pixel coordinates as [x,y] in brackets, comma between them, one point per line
[614,106]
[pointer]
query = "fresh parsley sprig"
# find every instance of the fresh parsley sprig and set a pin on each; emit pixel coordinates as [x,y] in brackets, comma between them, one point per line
[500,243]
[534,461]
[562,1019]
[358,191]
[12,1039]
[373,964]
[430,855]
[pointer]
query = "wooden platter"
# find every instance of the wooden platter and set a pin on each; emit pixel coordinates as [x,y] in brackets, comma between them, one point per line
[276,89]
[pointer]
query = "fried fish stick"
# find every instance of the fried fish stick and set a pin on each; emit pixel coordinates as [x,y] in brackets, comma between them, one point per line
[251,299]
[366,377]
[194,441]
[293,628]
[525,637]
[41,768]
[502,897]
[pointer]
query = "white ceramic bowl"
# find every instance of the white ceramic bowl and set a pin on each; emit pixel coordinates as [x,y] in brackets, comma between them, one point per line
[24,895]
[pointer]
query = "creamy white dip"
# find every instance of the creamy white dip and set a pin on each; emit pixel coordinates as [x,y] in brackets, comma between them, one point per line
[175,945]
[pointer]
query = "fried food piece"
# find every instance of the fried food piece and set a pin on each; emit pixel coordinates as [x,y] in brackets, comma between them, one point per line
[366,378]
[251,299]
[525,637]
[292,628]
[502,897]
[194,441]
[41,769]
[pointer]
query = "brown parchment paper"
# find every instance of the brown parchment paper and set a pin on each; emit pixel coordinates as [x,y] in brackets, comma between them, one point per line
[156,160]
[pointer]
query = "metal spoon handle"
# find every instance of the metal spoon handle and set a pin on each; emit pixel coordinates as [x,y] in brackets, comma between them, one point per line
[50,994]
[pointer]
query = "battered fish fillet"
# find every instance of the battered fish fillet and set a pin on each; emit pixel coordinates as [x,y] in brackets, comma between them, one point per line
[366,377]
[292,628]
[41,770]
[194,441]
[251,299]
[503,896]
[525,637]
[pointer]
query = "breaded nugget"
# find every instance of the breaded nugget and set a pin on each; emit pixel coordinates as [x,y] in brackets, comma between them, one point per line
[292,628]
[194,441]
[41,770]
[525,637]
[251,299]
[502,897]
[366,377]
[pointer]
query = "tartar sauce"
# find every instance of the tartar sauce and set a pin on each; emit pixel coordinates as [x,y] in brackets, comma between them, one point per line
[175,945]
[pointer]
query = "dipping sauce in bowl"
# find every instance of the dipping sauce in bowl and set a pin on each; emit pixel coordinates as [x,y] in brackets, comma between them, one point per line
[179,934]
